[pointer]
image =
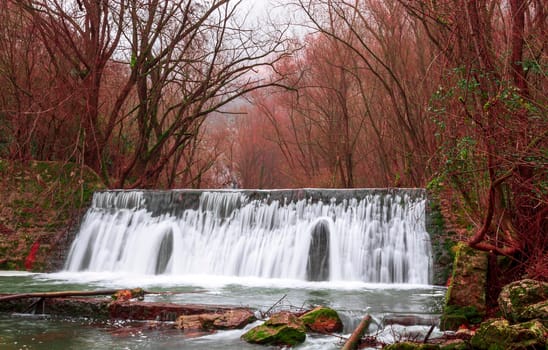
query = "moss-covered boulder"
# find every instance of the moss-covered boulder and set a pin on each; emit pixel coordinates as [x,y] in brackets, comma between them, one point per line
[455,316]
[322,320]
[411,346]
[455,344]
[500,334]
[282,329]
[465,298]
[524,300]
[537,311]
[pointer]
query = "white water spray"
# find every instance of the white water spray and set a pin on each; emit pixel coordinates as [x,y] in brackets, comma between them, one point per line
[380,237]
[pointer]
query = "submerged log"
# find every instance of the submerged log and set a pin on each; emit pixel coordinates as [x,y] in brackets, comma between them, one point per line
[139,310]
[80,304]
[354,340]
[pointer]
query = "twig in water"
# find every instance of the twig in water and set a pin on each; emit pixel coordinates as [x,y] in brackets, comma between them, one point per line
[428,334]
[276,303]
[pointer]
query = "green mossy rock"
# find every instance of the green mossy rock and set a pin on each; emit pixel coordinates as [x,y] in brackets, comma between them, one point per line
[524,300]
[282,335]
[536,311]
[457,344]
[500,335]
[452,322]
[322,320]
[411,346]
[455,316]
[465,298]
[282,329]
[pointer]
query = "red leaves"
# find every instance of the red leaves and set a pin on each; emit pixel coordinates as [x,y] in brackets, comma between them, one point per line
[31,258]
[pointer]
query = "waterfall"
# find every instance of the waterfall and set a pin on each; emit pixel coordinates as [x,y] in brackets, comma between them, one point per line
[376,236]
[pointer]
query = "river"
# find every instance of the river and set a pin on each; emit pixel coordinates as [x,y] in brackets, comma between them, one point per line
[351,299]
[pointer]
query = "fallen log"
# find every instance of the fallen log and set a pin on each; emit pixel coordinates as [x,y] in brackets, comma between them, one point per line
[64,294]
[67,294]
[133,293]
[354,340]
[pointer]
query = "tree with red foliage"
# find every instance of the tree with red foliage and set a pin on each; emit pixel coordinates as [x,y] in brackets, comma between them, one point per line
[392,60]
[84,35]
[35,105]
[357,116]
[492,113]
[132,82]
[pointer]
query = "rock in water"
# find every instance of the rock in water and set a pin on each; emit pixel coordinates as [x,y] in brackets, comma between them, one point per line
[282,329]
[499,334]
[322,320]
[230,319]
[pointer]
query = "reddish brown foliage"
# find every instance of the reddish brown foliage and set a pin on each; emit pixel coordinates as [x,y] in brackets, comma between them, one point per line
[131,109]
[493,110]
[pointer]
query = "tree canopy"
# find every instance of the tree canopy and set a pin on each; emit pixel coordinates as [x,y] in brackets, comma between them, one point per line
[449,95]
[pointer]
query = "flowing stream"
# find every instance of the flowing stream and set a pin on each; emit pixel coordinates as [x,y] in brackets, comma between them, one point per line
[359,252]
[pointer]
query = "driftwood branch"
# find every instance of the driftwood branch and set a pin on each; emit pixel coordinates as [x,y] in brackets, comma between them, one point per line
[354,340]
[274,305]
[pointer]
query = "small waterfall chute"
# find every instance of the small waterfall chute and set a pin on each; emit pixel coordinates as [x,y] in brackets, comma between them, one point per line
[165,252]
[317,267]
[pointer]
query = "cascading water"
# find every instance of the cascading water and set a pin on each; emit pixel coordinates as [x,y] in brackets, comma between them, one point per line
[378,236]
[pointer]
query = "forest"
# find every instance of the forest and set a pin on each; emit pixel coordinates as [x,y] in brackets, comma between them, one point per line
[450,95]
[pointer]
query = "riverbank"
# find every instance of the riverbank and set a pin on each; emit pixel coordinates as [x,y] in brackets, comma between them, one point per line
[41,204]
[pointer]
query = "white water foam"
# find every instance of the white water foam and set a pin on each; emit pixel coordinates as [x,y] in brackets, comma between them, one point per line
[9,273]
[211,282]
[375,239]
